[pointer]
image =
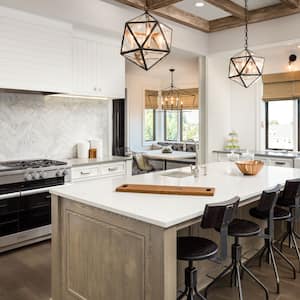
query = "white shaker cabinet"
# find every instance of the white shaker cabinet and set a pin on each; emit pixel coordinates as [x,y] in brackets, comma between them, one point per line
[35,53]
[98,69]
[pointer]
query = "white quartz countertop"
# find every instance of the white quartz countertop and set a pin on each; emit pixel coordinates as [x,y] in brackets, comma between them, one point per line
[168,210]
[175,155]
[78,162]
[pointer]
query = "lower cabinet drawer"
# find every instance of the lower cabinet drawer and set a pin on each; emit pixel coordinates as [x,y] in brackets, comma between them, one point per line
[282,163]
[113,169]
[82,173]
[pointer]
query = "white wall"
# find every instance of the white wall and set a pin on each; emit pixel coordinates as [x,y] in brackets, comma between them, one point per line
[97,15]
[137,81]
[241,109]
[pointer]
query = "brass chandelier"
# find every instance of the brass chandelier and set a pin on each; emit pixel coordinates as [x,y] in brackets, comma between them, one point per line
[170,97]
[246,68]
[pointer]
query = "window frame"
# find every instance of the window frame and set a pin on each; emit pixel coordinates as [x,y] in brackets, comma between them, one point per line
[296,126]
[178,127]
[154,126]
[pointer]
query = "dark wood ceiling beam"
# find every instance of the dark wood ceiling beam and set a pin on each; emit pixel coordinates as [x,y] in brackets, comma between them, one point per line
[230,7]
[172,13]
[291,3]
[255,16]
[155,4]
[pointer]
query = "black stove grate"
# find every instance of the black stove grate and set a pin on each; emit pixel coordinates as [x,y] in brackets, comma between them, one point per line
[36,163]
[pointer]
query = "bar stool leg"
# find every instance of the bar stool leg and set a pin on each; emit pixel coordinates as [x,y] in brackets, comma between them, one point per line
[218,278]
[286,259]
[243,267]
[275,270]
[239,284]
[296,247]
[283,240]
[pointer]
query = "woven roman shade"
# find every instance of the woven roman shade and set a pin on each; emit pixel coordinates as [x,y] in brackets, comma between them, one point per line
[281,86]
[151,99]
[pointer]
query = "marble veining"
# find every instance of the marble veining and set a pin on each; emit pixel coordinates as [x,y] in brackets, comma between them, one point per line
[35,126]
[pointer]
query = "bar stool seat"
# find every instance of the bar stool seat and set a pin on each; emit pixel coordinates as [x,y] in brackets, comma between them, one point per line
[279,213]
[243,228]
[195,248]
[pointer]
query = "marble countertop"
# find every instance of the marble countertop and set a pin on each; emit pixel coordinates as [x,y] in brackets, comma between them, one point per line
[168,210]
[78,162]
[268,153]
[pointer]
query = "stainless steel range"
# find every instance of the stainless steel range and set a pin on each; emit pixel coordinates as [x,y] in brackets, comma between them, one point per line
[25,202]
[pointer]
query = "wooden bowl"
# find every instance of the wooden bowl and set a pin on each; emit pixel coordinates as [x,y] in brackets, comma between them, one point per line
[250,167]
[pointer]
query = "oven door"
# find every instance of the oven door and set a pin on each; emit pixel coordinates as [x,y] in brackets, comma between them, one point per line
[35,209]
[9,213]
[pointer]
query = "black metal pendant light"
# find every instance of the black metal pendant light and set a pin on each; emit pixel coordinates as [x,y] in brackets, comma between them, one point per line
[146,41]
[245,67]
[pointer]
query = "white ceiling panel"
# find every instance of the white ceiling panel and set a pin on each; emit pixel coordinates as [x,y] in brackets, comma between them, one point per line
[254,4]
[208,11]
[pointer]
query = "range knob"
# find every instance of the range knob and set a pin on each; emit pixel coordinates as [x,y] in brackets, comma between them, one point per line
[36,176]
[28,177]
[43,174]
[66,172]
[60,173]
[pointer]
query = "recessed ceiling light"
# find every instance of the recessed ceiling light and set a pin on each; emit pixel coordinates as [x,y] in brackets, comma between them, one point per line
[298,46]
[199,4]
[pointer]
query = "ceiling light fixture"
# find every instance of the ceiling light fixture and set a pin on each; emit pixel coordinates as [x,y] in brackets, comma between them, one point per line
[199,4]
[292,59]
[146,41]
[246,68]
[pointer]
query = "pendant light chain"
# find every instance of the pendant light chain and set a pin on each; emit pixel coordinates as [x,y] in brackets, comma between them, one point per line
[245,68]
[246,24]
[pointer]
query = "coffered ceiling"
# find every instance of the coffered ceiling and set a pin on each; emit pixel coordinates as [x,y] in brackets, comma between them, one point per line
[216,15]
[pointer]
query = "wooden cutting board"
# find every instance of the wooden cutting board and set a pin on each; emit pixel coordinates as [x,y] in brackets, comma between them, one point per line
[166,189]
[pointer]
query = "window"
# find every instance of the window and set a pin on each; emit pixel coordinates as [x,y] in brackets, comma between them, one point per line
[282,124]
[171,125]
[149,127]
[190,125]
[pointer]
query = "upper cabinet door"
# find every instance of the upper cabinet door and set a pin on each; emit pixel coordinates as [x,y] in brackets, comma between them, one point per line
[85,67]
[98,69]
[112,71]
[35,53]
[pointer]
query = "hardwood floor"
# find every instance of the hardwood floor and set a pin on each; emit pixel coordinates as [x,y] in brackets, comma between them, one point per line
[25,275]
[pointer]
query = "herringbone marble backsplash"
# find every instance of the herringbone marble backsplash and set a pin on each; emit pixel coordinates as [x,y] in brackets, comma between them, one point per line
[33,126]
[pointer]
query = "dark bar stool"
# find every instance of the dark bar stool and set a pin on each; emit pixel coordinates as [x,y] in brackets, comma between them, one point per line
[239,228]
[267,210]
[290,198]
[192,248]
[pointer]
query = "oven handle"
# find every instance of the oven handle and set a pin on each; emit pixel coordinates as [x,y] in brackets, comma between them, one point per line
[35,191]
[10,195]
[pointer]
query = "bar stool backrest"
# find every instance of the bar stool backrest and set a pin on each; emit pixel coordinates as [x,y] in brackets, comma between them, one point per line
[291,192]
[218,215]
[268,200]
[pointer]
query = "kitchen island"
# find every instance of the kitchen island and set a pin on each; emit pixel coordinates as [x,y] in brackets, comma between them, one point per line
[110,245]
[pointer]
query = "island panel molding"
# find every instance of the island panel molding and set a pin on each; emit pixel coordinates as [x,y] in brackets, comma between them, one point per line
[101,255]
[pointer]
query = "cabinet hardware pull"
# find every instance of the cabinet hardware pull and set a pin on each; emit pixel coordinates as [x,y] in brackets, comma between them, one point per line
[280,163]
[112,169]
[85,173]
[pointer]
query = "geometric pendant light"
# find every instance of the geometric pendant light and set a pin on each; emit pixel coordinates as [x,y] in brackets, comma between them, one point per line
[146,41]
[246,68]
